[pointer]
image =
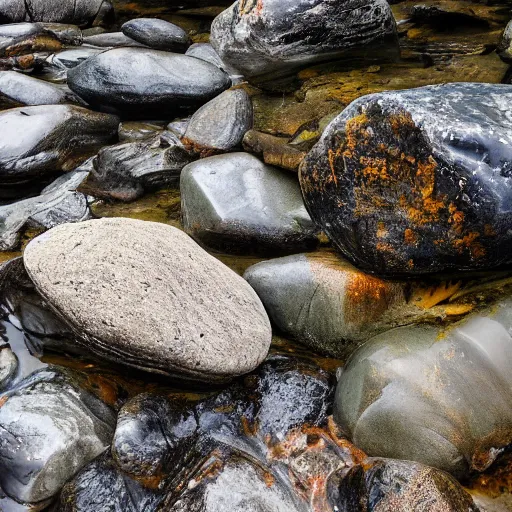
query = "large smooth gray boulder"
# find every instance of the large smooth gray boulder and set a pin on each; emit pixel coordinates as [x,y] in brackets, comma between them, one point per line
[39,141]
[157,34]
[265,40]
[234,203]
[50,428]
[140,82]
[146,295]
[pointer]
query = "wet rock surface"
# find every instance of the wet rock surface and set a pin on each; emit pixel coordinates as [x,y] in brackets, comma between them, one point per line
[186,337]
[141,82]
[157,34]
[109,40]
[236,203]
[417,181]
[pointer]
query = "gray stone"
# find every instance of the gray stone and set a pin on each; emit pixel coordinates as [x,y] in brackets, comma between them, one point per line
[157,34]
[235,203]
[50,428]
[145,295]
[79,12]
[178,126]
[221,124]
[111,40]
[26,38]
[143,82]
[205,51]
[265,40]
[504,49]
[58,203]
[67,59]
[8,366]
[439,396]
[39,141]
[132,131]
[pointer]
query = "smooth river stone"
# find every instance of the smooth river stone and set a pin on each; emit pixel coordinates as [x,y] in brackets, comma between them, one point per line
[270,38]
[78,12]
[145,295]
[141,83]
[38,141]
[205,51]
[417,181]
[235,203]
[157,34]
[111,40]
[439,396]
[221,124]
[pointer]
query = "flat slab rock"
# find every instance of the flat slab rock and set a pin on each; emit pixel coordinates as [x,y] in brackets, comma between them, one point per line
[145,295]
[417,181]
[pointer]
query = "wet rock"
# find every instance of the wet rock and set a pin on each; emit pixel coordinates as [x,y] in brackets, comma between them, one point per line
[143,82]
[178,126]
[42,140]
[504,49]
[433,395]
[132,131]
[126,171]
[163,300]
[274,150]
[234,203]
[55,67]
[416,181]
[271,39]
[205,51]
[17,90]
[58,203]
[79,12]
[386,485]
[25,38]
[50,429]
[111,40]
[157,34]
[8,365]
[221,124]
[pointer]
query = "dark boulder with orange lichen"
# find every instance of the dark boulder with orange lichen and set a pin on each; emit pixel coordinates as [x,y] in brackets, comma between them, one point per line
[417,181]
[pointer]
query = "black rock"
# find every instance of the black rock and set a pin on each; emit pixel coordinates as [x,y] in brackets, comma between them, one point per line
[265,40]
[126,171]
[234,203]
[142,83]
[157,34]
[417,181]
[39,141]
[79,12]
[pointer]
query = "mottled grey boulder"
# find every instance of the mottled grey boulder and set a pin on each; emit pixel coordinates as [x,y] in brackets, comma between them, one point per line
[50,428]
[504,49]
[58,203]
[157,34]
[265,40]
[38,141]
[205,51]
[235,203]
[437,396]
[144,82]
[145,295]
[79,12]
[417,181]
[126,171]
[111,40]
[221,124]
[17,89]
[8,365]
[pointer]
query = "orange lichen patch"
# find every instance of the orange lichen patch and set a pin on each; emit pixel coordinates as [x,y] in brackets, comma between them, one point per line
[426,298]
[3,400]
[410,237]
[249,429]
[356,455]
[381,230]
[269,479]
[469,242]
[251,6]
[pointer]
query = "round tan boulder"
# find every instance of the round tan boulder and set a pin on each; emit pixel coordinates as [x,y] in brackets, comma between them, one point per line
[146,295]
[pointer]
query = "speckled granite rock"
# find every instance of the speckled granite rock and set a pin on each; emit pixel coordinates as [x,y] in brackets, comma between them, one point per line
[234,203]
[140,82]
[153,298]
[267,39]
[157,34]
[417,181]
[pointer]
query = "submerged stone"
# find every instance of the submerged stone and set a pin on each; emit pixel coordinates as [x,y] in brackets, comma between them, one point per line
[142,82]
[157,34]
[169,307]
[234,203]
[265,40]
[417,181]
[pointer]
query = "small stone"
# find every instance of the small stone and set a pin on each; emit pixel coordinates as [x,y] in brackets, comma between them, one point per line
[111,40]
[236,204]
[132,131]
[8,366]
[157,34]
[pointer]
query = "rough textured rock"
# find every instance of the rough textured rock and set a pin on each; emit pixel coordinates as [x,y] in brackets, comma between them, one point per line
[58,203]
[17,90]
[221,124]
[126,171]
[111,40]
[157,34]
[267,39]
[417,181]
[155,300]
[436,396]
[234,203]
[139,82]
[50,429]
[504,49]
[50,138]
[79,12]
